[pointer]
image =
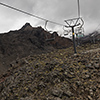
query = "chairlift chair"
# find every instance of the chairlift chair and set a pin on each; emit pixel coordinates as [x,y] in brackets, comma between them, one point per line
[79,34]
[47,37]
[79,31]
[66,32]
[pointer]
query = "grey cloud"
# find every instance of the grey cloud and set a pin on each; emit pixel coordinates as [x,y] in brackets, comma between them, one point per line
[55,10]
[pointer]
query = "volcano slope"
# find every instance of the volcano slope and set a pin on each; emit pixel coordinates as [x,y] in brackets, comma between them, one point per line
[57,75]
[27,41]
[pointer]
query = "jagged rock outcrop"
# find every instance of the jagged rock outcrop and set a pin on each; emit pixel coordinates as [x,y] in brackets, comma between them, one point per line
[27,41]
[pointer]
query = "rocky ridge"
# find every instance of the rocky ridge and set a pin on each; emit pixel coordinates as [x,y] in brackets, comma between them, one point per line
[57,75]
[27,41]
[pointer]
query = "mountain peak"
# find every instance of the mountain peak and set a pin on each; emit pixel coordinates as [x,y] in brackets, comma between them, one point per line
[27,26]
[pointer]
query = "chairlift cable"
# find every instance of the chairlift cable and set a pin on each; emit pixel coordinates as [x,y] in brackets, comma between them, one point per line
[97,27]
[30,14]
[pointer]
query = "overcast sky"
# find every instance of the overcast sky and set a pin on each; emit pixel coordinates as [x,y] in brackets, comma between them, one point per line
[54,10]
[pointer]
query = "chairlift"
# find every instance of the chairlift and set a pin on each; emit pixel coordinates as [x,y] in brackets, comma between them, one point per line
[66,32]
[79,34]
[52,33]
[79,31]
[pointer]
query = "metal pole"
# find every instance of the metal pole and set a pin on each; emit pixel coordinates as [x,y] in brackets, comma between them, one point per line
[74,39]
[78,8]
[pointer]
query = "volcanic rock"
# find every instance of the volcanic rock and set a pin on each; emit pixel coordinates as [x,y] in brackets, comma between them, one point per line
[54,76]
[27,41]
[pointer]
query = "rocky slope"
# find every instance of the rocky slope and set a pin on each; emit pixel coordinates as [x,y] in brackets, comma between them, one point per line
[58,75]
[27,41]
